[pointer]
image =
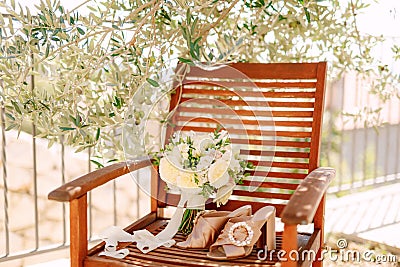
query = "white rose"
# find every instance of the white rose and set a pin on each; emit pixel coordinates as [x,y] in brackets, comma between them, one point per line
[201,143]
[168,172]
[204,162]
[218,173]
[235,165]
[185,179]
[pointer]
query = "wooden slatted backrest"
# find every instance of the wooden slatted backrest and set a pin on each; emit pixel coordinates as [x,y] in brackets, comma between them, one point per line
[273,112]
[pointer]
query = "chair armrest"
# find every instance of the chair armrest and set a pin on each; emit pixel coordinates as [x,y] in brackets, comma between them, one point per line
[304,202]
[80,186]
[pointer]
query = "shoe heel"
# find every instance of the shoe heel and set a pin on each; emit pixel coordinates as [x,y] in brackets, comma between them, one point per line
[268,236]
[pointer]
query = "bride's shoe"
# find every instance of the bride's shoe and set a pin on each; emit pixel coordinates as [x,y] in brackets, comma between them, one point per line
[207,227]
[240,234]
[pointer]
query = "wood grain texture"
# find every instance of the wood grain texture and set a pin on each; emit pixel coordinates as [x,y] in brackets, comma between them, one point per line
[248,113]
[260,71]
[244,122]
[306,199]
[289,243]
[247,84]
[78,231]
[80,186]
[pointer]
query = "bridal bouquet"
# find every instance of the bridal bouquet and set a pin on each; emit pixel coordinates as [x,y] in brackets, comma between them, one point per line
[203,165]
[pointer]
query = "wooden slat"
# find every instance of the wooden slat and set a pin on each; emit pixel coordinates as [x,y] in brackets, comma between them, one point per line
[277,164]
[242,112]
[280,154]
[224,121]
[247,141]
[259,103]
[262,94]
[286,175]
[259,71]
[248,84]
[245,132]
[245,193]
[234,204]
[248,182]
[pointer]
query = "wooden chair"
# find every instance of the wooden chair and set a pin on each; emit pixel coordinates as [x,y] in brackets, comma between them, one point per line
[290,99]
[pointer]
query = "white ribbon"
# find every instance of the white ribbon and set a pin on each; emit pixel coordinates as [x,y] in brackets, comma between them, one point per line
[146,241]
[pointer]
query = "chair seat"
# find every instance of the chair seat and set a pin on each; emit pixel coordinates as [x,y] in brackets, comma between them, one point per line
[174,256]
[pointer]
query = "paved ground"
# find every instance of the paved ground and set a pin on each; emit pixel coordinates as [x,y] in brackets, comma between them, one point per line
[371,215]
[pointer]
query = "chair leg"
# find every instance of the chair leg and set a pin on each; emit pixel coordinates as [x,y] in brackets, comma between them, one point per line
[289,244]
[78,231]
[317,263]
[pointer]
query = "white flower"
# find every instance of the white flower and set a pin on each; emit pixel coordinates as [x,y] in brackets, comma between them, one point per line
[175,157]
[234,165]
[204,162]
[168,172]
[186,179]
[183,148]
[201,143]
[218,173]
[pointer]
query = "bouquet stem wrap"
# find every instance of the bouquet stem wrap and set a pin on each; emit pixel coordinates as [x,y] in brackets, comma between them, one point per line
[146,242]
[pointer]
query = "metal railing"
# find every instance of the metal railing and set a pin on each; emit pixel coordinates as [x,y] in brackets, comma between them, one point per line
[364,157]
[29,223]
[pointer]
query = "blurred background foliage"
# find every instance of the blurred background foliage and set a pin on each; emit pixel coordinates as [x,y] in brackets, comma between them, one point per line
[73,73]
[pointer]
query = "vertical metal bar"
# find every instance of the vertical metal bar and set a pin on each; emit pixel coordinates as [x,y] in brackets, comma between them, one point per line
[340,176]
[353,138]
[35,191]
[4,161]
[375,180]
[330,125]
[388,141]
[89,195]
[64,210]
[138,193]
[366,139]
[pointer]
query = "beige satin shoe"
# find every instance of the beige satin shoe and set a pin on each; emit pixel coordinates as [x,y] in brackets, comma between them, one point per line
[241,233]
[207,227]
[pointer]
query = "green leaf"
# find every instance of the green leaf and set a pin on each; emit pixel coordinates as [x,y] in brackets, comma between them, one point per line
[16,107]
[152,82]
[11,126]
[11,117]
[307,14]
[81,31]
[98,164]
[98,134]
[185,60]
[67,128]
